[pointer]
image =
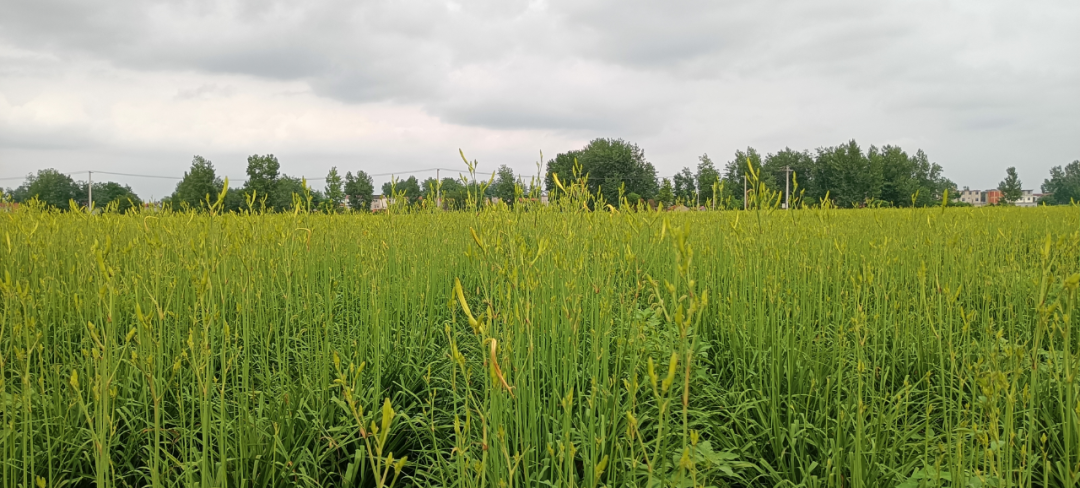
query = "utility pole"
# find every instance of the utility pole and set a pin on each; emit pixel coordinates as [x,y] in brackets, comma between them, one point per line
[90,192]
[438,189]
[787,187]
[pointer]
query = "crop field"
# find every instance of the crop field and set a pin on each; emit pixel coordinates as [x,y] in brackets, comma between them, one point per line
[541,347]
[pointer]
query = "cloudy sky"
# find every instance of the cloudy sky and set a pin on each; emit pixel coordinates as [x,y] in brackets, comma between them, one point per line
[140,86]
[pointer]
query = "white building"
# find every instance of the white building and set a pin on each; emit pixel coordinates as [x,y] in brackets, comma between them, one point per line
[1028,198]
[975,198]
[380,202]
[979,198]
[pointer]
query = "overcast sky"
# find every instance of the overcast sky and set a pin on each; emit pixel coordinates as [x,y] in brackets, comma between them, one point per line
[140,86]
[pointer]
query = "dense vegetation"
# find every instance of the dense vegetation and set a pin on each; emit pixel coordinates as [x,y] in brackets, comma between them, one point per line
[845,175]
[541,346]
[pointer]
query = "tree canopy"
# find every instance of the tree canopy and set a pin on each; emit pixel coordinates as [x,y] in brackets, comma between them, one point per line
[610,164]
[1063,184]
[198,182]
[51,188]
[335,191]
[262,172]
[505,186]
[360,190]
[1011,189]
[845,174]
[409,187]
[109,192]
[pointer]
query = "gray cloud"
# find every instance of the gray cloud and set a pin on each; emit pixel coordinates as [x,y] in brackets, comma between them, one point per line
[695,72]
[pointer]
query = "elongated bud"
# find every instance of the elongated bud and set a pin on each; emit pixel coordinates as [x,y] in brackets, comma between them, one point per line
[387,418]
[672,366]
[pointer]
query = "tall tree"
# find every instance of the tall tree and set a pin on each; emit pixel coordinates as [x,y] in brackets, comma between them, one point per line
[505,187]
[707,176]
[563,165]
[359,190]
[666,196]
[898,169]
[1064,184]
[909,180]
[610,164]
[263,175]
[737,169]
[801,164]
[198,182]
[1010,188]
[50,187]
[429,188]
[409,186]
[847,174]
[335,191]
[284,189]
[685,189]
[452,190]
[109,192]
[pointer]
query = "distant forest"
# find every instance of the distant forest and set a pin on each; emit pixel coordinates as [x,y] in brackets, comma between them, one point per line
[844,175]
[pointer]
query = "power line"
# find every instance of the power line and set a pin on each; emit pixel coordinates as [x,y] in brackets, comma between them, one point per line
[130,174]
[393,173]
[69,173]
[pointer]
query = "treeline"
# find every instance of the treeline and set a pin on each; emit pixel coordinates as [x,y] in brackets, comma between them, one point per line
[844,175]
[55,189]
[266,189]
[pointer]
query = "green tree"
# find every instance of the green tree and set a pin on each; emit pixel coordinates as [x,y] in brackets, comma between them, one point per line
[108,192]
[359,190]
[454,193]
[429,189]
[198,182]
[736,170]
[666,196]
[1010,187]
[409,186]
[849,177]
[801,163]
[234,200]
[707,176]
[909,180]
[505,186]
[685,189]
[610,164]
[263,175]
[285,186]
[563,166]
[929,181]
[1063,184]
[335,191]
[51,187]
[898,185]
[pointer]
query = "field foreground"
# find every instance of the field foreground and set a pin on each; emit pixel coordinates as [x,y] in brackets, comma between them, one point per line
[861,348]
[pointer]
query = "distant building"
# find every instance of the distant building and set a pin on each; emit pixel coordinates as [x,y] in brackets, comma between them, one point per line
[1028,198]
[978,198]
[972,197]
[380,202]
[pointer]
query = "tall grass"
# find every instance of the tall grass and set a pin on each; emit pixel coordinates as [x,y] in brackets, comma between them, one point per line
[541,347]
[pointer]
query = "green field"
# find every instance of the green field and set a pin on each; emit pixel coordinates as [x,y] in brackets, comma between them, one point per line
[854,348]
